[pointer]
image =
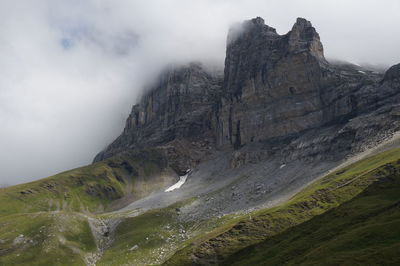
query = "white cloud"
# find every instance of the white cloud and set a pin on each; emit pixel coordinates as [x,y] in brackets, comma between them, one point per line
[71,69]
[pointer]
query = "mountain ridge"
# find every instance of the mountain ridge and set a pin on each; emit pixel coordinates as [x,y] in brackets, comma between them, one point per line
[285,88]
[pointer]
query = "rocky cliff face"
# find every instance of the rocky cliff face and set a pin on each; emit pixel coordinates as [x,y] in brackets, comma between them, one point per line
[272,83]
[277,86]
[179,106]
[277,90]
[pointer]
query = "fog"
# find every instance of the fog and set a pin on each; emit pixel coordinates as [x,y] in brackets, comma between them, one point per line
[70,70]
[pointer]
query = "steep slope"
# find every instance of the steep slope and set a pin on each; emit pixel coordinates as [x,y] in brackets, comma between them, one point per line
[178,107]
[365,230]
[272,83]
[93,188]
[355,196]
[53,221]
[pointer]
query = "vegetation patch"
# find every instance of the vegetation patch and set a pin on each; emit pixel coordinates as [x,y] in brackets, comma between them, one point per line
[46,222]
[362,231]
[147,239]
[321,196]
[53,238]
[92,188]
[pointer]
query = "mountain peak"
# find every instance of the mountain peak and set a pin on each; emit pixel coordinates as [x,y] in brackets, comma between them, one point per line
[252,27]
[302,22]
[304,37]
[258,21]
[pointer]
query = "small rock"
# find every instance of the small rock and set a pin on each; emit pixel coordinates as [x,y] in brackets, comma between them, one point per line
[18,240]
[135,247]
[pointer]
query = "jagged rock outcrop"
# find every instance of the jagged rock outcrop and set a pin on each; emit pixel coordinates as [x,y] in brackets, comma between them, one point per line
[277,90]
[179,106]
[272,83]
[277,86]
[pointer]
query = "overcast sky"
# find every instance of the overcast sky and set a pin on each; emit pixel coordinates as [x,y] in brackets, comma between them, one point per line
[70,70]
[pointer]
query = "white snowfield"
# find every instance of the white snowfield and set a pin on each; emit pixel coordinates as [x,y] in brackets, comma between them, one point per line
[182,180]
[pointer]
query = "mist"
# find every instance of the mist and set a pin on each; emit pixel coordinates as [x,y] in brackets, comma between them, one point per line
[70,70]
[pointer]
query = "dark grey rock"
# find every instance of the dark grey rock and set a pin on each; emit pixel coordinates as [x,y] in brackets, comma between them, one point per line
[179,106]
[278,86]
[393,73]
[279,98]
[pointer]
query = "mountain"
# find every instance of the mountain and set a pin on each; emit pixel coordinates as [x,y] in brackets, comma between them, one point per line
[284,158]
[276,88]
[179,107]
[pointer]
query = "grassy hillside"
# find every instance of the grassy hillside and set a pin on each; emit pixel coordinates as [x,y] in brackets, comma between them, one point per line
[92,188]
[352,213]
[363,231]
[46,222]
[145,239]
[323,195]
[51,238]
[152,237]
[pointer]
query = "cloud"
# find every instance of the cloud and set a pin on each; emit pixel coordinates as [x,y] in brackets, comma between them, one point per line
[70,70]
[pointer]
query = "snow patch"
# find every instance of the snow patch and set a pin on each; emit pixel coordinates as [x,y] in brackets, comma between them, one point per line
[182,180]
[283,165]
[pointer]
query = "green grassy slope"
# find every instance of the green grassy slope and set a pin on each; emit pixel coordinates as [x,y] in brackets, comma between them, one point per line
[146,239]
[363,231]
[46,222]
[152,237]
[91,188]
[45,239]
[321,196]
